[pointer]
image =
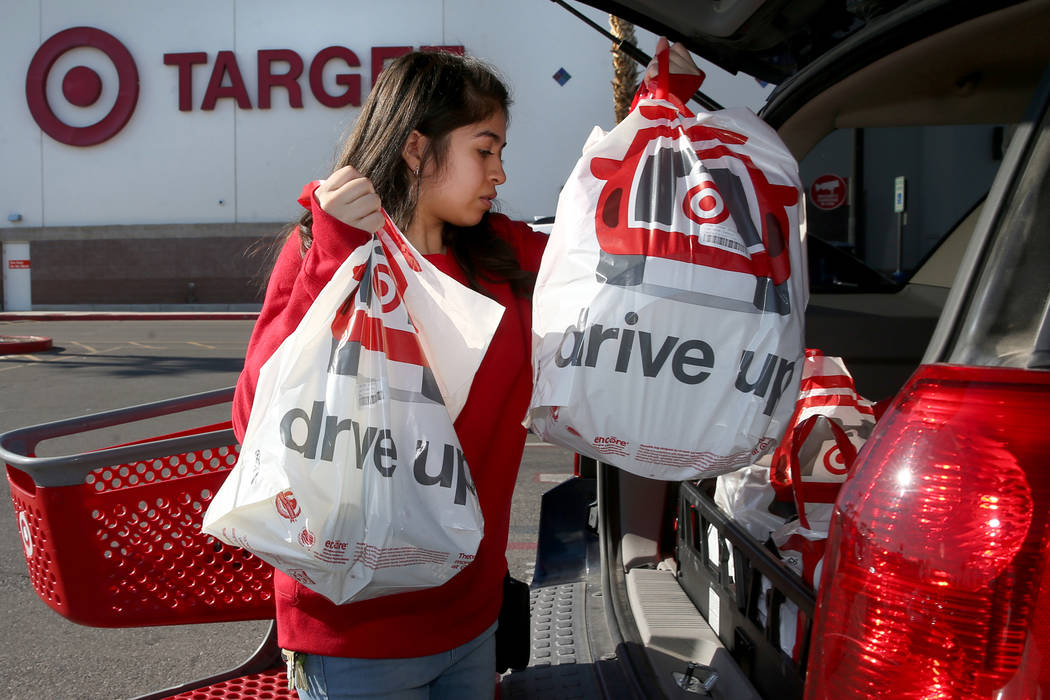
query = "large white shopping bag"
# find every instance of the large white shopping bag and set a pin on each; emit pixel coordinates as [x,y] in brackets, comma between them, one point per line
[351,478]
[668,312]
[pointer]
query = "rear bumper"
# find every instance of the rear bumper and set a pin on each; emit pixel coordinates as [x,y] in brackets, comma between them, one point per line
[573,654]
[599,631]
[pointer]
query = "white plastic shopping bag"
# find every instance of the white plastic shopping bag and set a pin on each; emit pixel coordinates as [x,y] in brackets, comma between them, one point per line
[831,422]
[668,311]
[746,495]
[802,549]
[351,478]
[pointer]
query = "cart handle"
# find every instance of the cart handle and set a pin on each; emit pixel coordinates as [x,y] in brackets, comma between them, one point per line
[17,446]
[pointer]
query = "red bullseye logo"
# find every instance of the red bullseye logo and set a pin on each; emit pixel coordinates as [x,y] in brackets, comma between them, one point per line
[27,534]
[287,506]
[385,287]
[834,462]
[704,204]
[82,86]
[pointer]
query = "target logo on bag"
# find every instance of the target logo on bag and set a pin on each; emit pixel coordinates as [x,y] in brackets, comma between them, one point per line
[359,321]
[704,203]
[835,461]
[378,277]
[687,195]
[386,287]
[374,319]
[287,506]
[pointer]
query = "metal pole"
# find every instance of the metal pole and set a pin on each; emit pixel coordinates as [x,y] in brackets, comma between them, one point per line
[900,241]
[856,189]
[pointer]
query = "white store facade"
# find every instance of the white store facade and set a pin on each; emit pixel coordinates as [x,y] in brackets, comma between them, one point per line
[146,143]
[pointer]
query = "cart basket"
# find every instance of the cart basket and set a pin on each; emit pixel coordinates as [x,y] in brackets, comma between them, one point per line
[112,537]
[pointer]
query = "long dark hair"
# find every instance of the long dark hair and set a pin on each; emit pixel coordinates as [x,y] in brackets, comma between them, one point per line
[432,92]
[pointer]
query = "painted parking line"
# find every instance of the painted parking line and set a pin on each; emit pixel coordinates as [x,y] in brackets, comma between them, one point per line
[553,478]
[91,350]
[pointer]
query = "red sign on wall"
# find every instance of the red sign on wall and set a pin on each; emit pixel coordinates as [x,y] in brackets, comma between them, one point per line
[18,264]
[828,192]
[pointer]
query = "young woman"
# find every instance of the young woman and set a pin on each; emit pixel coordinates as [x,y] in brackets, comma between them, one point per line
[427,148]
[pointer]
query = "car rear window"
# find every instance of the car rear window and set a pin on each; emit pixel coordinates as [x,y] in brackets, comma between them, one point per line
[1005,321]
[889,196]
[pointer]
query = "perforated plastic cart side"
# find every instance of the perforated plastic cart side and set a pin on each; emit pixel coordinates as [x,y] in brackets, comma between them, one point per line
[112,537]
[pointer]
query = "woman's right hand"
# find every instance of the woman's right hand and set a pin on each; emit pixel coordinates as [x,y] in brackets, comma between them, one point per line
[680,62]
[348,195]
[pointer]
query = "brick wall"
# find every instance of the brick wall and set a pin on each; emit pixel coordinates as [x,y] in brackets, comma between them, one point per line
[147,271]
[101,266]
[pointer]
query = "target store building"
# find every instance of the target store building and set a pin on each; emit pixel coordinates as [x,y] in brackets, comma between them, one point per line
[149,147]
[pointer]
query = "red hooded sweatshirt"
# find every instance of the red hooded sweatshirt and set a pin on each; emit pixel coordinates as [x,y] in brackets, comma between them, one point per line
[490,432]
[489,429]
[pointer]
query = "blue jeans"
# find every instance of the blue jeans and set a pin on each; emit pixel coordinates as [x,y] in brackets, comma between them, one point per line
[464,673]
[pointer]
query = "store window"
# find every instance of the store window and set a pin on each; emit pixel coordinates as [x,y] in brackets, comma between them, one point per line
[881,200]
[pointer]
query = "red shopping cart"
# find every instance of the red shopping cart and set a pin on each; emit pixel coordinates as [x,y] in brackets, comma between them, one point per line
[112,537]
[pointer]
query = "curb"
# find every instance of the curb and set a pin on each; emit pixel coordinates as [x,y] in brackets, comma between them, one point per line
[14,344]
[129,316]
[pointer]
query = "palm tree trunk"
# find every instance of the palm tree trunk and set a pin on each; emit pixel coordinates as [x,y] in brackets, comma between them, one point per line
[625,75]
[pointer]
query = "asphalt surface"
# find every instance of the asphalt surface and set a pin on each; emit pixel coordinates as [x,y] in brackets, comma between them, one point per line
[103,364]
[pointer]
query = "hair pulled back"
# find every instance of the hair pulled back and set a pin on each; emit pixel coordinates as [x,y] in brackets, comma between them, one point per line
[433,92]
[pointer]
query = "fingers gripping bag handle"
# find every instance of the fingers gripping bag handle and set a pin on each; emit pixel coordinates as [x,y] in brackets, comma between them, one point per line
[662,89]
[668,87]
[335,483]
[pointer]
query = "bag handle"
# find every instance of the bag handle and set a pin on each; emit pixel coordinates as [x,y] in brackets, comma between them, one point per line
[798,437]
[660,88]
[398,239]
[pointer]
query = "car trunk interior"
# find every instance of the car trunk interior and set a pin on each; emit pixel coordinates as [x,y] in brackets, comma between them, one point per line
[967,77]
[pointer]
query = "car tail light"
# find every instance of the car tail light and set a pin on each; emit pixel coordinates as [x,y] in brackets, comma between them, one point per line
[937,583]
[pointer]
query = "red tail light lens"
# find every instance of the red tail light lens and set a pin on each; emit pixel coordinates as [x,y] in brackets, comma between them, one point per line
[936,583]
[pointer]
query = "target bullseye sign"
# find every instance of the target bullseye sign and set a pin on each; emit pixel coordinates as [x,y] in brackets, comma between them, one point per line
[82,86]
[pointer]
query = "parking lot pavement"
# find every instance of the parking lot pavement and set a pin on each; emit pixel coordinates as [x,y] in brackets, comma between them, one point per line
[98,365]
